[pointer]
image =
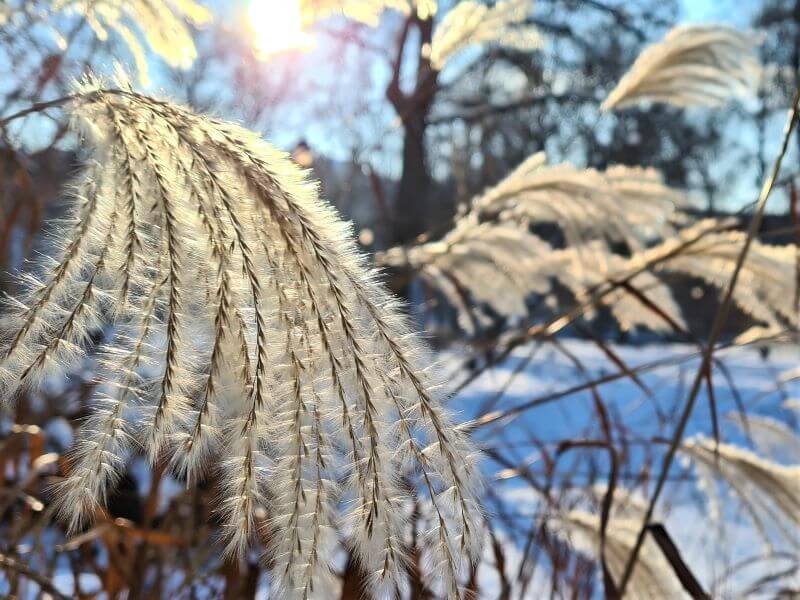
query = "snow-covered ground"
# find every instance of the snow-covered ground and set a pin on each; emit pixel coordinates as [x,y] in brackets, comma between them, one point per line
[756,379]
[759,380]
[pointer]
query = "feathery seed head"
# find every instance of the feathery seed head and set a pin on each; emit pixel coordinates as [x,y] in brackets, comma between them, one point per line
[243,330]
[695,65]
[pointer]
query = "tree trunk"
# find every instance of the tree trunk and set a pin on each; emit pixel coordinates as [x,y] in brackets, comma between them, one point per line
[411,202]
[412,199]
[796,58]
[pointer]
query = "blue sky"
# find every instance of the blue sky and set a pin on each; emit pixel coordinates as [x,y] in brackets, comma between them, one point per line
[720,11]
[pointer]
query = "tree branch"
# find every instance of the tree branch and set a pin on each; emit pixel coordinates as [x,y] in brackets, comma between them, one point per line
[482,111]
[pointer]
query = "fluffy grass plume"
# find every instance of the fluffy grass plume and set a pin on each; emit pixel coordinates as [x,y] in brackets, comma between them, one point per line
[771,437]
[365,11]
[768,492]
[695,65]
[629,204]
[241,331]
[653,578]
[469,23]
[163,23]
[491,257]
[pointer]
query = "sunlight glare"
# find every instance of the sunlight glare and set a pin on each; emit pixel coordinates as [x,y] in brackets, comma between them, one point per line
[277,26]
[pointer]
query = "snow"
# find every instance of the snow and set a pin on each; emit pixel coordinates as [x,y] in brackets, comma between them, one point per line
[756,379]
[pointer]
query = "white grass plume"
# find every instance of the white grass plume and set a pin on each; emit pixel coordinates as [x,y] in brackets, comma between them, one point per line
[245,332]
[584,269]
[162,22]
[365,11]
[766,290]
[490,258]
[623,203]
[502,265]
[470,22]
[792,404]
[769,492]
[702,251]
[652,578]
[479,263]
[695,65]
[772,437]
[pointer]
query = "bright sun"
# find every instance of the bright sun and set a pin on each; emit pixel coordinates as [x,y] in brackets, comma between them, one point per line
[277,26]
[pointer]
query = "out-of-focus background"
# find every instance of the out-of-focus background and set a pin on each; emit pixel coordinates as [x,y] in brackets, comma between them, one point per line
[406,137]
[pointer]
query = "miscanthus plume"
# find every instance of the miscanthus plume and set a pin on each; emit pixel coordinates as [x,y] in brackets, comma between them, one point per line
[241,334]
[694,65]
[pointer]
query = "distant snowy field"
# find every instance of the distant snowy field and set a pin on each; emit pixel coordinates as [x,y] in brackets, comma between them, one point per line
[756,378]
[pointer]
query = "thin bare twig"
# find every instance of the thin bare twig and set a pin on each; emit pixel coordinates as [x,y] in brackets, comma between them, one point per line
[716,330]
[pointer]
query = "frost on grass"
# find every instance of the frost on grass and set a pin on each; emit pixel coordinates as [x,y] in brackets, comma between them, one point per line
[695,65]
[240,330]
